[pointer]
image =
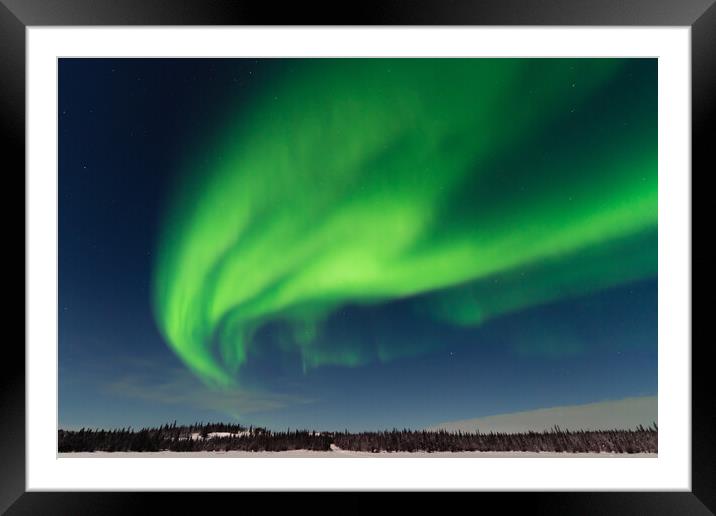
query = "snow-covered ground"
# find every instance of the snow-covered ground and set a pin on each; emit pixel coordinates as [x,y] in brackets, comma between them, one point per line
[337,453]
[196,436]
[628,413]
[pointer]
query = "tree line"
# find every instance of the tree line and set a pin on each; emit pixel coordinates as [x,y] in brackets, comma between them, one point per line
[639,440]
[226,437]
[190,438]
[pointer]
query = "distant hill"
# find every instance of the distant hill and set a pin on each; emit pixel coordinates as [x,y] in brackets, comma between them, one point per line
[622,414]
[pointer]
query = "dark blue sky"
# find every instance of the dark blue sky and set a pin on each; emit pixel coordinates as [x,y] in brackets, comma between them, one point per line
[124,128]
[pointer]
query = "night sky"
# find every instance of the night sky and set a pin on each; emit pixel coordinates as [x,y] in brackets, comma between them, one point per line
[354,243]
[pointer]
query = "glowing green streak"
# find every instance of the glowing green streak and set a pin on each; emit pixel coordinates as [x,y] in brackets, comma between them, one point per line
[346,182]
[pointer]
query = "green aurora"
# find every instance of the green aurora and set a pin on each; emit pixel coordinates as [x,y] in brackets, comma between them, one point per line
[472,187]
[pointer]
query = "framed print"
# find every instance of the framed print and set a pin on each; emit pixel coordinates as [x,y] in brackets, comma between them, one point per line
[443,248]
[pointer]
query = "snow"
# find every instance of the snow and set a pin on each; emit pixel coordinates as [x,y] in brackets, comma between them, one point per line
[196,436]
[338,453]
[211,435]
[624,414]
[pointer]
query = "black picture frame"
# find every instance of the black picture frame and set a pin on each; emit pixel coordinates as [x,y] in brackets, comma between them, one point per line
[16,15]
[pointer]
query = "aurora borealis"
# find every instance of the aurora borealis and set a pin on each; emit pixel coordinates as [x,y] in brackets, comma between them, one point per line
[477,187]
[354,243]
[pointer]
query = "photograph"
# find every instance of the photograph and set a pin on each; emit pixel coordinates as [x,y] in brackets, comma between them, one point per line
[443,247]
[348,257]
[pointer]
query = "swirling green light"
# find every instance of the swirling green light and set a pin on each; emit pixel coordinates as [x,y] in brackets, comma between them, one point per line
[365,180]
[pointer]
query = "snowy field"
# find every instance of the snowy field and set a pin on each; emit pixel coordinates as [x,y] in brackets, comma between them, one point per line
[342,454]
